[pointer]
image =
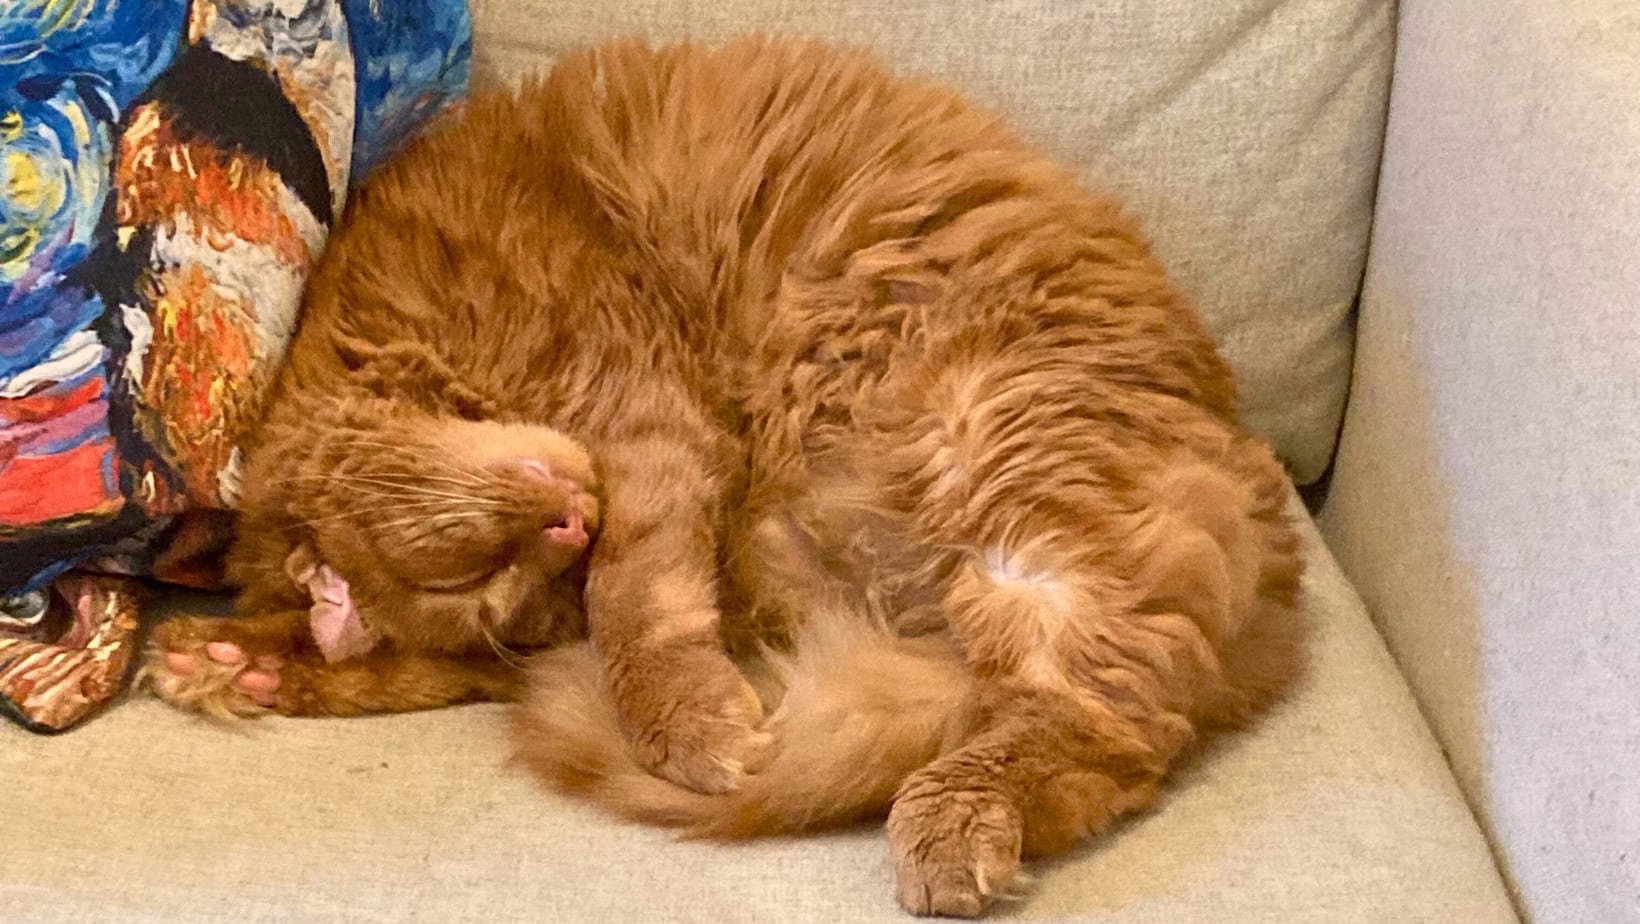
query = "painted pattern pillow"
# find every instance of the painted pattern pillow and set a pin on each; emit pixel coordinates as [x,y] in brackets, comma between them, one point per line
[169,170]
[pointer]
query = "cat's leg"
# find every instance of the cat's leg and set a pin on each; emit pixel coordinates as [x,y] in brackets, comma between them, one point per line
[653,615]
[1108,621]
[254,665]
[1039,772]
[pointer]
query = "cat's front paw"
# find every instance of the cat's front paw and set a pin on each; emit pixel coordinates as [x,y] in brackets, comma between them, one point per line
[692,716]
[215,667]
[955,850]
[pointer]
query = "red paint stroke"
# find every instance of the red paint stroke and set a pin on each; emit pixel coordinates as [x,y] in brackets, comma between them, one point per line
[38,489]
[47,405]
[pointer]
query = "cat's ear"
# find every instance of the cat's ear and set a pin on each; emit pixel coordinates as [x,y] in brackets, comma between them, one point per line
[333,618]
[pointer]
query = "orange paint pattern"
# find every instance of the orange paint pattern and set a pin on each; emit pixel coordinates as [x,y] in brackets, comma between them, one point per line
[201,380]
[196,375]
[160,177]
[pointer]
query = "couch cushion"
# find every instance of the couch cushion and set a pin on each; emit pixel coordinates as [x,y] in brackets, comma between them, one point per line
[1245,133]
[1336,808]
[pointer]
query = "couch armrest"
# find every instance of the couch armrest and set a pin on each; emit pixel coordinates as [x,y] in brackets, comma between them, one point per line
[1486,496]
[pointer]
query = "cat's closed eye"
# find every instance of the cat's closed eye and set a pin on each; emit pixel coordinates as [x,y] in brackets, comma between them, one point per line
[457,584]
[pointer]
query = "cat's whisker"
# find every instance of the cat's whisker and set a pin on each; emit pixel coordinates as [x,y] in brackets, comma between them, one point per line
[350,514]
[507,655]
[440,479]
[397,489]
[391,479]
[404,452]
[417,490]
[437,519]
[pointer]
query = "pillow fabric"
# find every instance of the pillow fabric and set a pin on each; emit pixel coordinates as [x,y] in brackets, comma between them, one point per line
[169,170]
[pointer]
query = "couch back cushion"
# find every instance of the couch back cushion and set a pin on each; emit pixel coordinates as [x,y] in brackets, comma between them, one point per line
[1245,133]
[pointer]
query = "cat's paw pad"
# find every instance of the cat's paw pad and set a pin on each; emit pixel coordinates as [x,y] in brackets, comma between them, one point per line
[955,851]
[214,676]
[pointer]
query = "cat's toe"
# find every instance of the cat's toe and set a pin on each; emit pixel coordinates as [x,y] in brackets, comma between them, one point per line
[694,719]
[196,683]
[260,684]
[955,851]
[707,757]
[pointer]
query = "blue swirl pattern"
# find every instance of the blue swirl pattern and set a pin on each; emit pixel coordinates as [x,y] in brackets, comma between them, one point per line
[71,72]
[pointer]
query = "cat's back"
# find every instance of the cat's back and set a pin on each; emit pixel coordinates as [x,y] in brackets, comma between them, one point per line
[760,152]
[701,174]
[673,169]
[765,193]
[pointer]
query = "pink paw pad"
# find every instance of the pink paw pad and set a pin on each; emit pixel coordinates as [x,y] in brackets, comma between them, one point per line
[258,684]
[225,652]
[180,663]
[257,678]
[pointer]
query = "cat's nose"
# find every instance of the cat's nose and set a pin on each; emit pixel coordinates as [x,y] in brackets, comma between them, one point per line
[568,532]
[563,542]
[565,535]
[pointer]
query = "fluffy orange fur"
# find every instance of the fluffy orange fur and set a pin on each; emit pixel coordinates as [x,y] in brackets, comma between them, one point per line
[862,391]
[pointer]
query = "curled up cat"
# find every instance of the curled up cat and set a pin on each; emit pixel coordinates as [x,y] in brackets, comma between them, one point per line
[844,457]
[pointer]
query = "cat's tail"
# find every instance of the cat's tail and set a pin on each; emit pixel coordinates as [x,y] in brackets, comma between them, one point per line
[858,711]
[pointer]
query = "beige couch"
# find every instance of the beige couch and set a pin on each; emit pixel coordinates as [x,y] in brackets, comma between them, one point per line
[1483,502]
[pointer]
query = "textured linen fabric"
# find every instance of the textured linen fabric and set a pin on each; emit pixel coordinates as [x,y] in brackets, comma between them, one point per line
[1487,495]
[1244,132]
[1337,808]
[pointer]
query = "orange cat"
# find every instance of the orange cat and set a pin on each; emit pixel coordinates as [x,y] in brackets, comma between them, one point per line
[818,361]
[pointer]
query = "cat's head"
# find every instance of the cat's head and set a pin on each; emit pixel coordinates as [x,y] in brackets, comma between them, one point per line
[417,526]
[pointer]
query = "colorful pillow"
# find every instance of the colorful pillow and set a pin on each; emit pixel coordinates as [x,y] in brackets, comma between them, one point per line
[169,171]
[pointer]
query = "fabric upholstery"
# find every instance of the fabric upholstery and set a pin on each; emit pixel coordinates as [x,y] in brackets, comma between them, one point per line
[1337,808]
[1244,132]
[1487,495]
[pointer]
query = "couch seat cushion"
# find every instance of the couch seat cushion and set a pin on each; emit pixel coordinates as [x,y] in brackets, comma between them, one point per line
[1338,807]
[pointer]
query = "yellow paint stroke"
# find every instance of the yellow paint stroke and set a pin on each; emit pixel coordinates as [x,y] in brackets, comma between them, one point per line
[200,18]
[33,193]
[24,186]
[82,129]
[64,15]
[144,124]
[16,246]
[33,197]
